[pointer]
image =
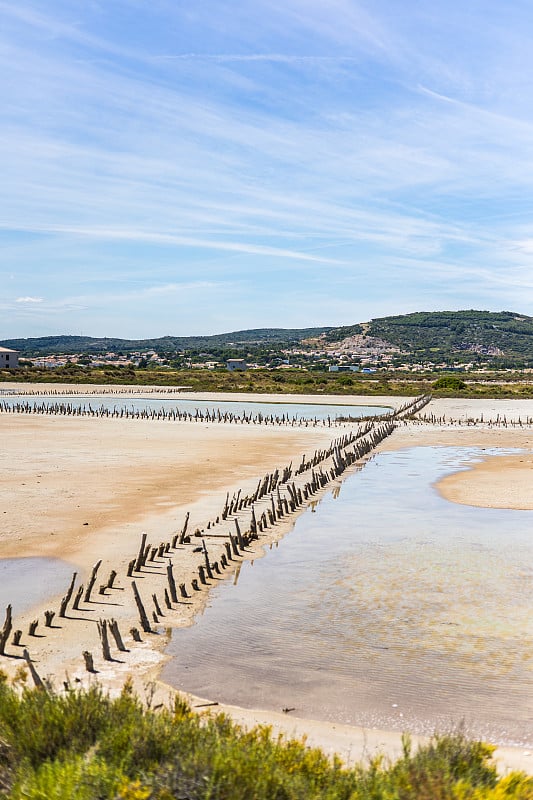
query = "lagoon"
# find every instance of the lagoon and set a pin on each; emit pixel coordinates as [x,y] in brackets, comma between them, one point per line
[386,606]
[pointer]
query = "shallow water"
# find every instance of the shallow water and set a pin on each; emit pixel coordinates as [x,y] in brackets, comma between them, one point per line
[297,410]
[389,607]
[25,582]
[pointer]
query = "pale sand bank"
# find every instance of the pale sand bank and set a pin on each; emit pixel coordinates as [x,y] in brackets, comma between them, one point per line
[125,476]
[497,482]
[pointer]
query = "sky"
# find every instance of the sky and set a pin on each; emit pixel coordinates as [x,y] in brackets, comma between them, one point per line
[183,168]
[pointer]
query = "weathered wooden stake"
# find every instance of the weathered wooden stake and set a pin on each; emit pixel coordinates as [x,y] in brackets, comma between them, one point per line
[49,616]
[6,629]
[92,581]
[33,672]
[66,600]
[89,663]
[77,599]
[111,579]
[136,636]
[167,600]
[183,590]
[140,557]
[171,582]
[184,529]
[145,624]
[102,630]
[113,627]
[33,627]
[157,606]
[16,637]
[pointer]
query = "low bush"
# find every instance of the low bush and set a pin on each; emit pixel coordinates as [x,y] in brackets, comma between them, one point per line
[84,745]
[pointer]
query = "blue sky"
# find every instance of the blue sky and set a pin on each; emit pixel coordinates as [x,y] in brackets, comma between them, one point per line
[172,167]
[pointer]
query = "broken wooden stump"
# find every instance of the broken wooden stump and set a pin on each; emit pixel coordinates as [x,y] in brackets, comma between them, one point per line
[33,627]
[115,632]
[140,557]
[17,637]
[171,582]
[92,581]
[89,663]
[6,629]
[33,672]
[183,590]
[77,599]
[156,606]
[66,600]
[48,617]
[136,636]
[104,639]
[145,624]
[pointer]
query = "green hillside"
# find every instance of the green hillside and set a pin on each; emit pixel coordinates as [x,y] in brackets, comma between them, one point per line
[505,334]
[86,344]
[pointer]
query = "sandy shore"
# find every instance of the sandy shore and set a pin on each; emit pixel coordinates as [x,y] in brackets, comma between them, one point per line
[83,489]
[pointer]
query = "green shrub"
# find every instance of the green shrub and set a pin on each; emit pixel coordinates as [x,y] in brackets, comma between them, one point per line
[83,745]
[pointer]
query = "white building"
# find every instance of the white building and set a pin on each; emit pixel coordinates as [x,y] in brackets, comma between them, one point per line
[8,358]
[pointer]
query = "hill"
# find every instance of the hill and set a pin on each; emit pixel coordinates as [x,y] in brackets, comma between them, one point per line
[68,345]
[504,338]
[438,334]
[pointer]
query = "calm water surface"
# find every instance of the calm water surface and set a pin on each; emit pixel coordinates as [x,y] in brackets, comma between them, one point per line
[298,410]
[25,582]
[389,607]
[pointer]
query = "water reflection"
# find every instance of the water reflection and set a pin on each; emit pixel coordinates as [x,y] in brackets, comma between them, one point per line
[390,607]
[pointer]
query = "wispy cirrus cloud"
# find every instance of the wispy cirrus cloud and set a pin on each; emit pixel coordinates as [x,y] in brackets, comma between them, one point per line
[333,149]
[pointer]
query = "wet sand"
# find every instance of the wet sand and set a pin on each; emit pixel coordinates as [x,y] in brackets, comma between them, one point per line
[123,477]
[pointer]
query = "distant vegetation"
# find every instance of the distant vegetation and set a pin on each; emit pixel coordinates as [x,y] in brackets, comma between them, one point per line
[82,745]
[504,338]
[503,334]
[87,344]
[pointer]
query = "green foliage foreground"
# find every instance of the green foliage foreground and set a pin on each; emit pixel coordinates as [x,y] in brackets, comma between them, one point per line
[83,745]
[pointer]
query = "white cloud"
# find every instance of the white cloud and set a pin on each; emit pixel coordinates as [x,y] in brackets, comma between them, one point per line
[29,300]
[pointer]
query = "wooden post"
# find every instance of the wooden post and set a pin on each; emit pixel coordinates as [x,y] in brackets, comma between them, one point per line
[183,590]
[167,600]
[207,564]
[113,627]
[111,579]
[89,663]
[16,638]
[49,616]
[239,534]
[171,582]
[33,672]
[156,606]
[102,630]
[33,627]
[66,600]
[135,635]
[92,581]
[6,629]
[140,556]
[77,599]
[184,529]
[145,624]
